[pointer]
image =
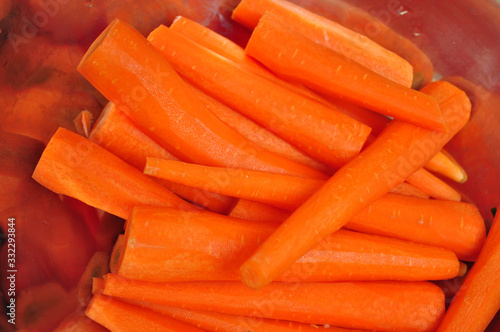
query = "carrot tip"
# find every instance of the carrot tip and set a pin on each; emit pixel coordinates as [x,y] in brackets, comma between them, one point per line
[462,270]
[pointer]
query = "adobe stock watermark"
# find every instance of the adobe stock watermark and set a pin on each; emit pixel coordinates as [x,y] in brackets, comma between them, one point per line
[32,24]
[11,271]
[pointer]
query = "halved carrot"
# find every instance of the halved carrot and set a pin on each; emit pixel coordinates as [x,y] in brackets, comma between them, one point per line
[206,246]
[299,59]
[433,186]
[217,322]
[258,134]
[330,34]
[362,22]
[320,131]
[454,225]
[399,151]
[75,166]
[119,316]
[381,306]
[116,132]
[478,299]
[141,83]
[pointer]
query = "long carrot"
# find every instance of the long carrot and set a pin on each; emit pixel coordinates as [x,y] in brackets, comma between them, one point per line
[258,134]
[362,22]
[74,166]
[299,59]
[119,316]
[453,225]
[217,322]
[478,300]
[381,306]
[205,246]
[320,131]
[330,34]
[116,132]
[141,83]
[433,186]
[398,152]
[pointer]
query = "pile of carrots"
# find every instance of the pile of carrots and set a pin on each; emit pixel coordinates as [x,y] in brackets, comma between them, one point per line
[280,187]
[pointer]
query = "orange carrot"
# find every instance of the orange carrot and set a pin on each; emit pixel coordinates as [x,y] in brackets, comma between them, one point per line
[299,59]
[320,131]
[217,322]
[478,300]
[362,22]
[258,134]
[381,306]
[74,166]
[83,123]
[116,253]
[399,151]
[119,316]
[433,186]
[213,247]
[255,211]
[444,163]
[453,225]
[350,44]
[141,83]
[407,189]
[116,132]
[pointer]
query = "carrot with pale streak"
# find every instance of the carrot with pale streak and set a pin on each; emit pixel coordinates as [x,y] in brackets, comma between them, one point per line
[258,134]
[433,186]
[299,59]
[329,34]
[478,299]
[320,131]
[119,316]
[381,306]
[205,246]
[116,132]
[379,168]
[133,75]
[75,166]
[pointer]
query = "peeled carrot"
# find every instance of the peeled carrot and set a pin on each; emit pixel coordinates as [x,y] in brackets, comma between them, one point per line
[255,211]
[453,225]
[320,131]
[399,151]
[444,164]
[299,59]
[258,134]
[433,186]
[119,316]
[213,247]
[478,299]
[141,83]
[407,189]
[362,22]
[74,166]
[217,322]
[381,306]
[349,43]
[116,132]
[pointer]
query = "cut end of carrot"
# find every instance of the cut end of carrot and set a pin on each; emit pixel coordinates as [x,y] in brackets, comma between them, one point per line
[462,270]
[252,275]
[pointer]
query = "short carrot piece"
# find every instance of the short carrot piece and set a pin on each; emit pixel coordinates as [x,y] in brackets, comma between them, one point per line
[258,134]
[116,132]
[379,168]
[330,34]
[433,186]
[320,131]
[142,84]
[299,59]
[75,166]
[217,322]
[121,317]
[381,306]
[478,299]
[218,245]
[444,164]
